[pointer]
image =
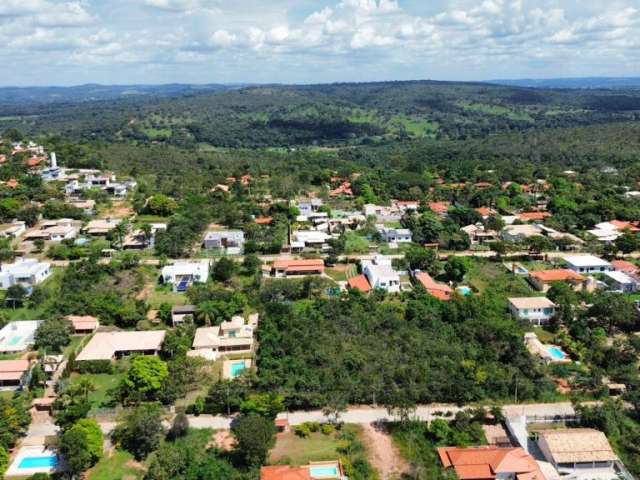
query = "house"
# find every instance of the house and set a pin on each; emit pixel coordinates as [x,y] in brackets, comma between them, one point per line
[381,275]
[479,235]
[587,264]
[621,282]
[486,212]
[13,229]
[14,374]
[183,274]
[27,272]
[406,205]
[331,470]
[535,310]
[360,283]
[439,208]
[517,233]
[83,324]
[311,239]
[610,231]
[571,450]
[383,214]
[138,239]
[307,207]
[101,227]
[624,266]
[263,220]
[533,216]
[18,336]
[115,345]
[234,336]
[542,280]
[53,230]
[343,190]
[87,206]
[227,241]
[288,268]
[439,290]
[490,463]
[180,312]
[394,235]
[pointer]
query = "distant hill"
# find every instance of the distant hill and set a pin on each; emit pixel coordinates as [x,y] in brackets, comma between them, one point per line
[585,82]
[96,92]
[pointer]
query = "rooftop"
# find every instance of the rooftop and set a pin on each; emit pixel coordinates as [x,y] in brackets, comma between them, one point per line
[531,302]
[578,445]
[482,463]
[359,282]
[104,345]
[586,261]
[13,369]
[560,275]
[438,290]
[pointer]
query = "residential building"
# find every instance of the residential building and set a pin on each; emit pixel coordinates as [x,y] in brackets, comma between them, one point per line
[621,282]
[576,449]
[490,463]
[18,336]
[331,470]
[587,264]
[115,345]
[381,275]
[440,208]
[53,230]
[288,268]
[184,273]
[382,213]
[27,272]
[14,374]
[138,239]
[610,231]
[179,314]
[83,324]
[307,207]
[101,227]
[535,310]
[87,206]
[360,283]
[234,336]
[227,241]
[310,239]
[441,291]
[394,235]
[479,235]
[542,280]
[533,216]
[13,229]
[517,233]
[624,266]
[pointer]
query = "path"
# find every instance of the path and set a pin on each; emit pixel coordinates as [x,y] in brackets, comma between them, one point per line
[383,453]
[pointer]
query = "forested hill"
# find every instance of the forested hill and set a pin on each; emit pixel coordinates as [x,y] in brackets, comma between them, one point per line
[584,82]
[325,115]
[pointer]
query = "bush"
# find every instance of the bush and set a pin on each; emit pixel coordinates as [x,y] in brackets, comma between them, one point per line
[302,430]
[94,366]
[328,428]
[313,426]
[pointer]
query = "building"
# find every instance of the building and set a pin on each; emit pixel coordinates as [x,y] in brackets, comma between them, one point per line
[621,282]
[234,336]
[27,272]
[517,233]
[440,208]
[490,463]
[576,449]
[288,268]
[18,336]
[535,310]
[394,235]
[183,274]
[227,241]
[439,290]
[624,266]
[14,374]
[542,280]
[83,324]
[310,239]
[587,264]
[87,206]
[381,275]
[13,229]
[53,231]
[479,235]
[101,227]
[115,345]
[138,239]
[533,216]
[331,470]
[179,314]
[307,207]
[360,283]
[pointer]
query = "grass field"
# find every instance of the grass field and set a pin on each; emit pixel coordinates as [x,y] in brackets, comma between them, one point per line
[118,466]
[487,276]
[497,110]
[295,450]
[103,383]
[165,295]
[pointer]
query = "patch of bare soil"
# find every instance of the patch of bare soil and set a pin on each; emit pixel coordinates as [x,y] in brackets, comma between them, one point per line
[224,440]
[383,454]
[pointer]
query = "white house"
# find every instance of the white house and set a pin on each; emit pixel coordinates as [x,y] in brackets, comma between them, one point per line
[587,264]
[517,233]
[232,337]
[26,272]
[183,274]
[13,229]
[535,310]
[622,282]
[307,207]
[381,274]
[394,235]
[310,239]
[228,241]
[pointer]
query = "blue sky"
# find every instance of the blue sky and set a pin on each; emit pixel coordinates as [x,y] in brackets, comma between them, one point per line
[69,42]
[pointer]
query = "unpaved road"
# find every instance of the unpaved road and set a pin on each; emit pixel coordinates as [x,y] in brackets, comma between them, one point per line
[383,454]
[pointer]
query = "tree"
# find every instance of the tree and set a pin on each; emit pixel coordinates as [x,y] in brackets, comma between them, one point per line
[161,205]
[144,378]
[4,461]
[420,258]
[264,404]
[53,334]
[147,233]
[255,436]
[612,310]
[39,244]
[82,445]
[456,268]
[141,431]
[179,427]
[224,269]
[251,264]
[15,295]
[627,242]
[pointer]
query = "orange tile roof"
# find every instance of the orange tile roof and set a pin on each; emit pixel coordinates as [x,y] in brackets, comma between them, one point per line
[485,463]
[620,225]
[34,161]
[559,275]
[438,290]
[529,216]
[624,266]
[344,189]
[483,185]
[439,207]
[13,183]
[309,265]
[13,369]
[284,472]
[264,220]
[484,211]
[359,282]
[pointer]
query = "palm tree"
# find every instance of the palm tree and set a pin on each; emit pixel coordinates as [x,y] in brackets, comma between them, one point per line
[84,387]
[206,313]
[147,232]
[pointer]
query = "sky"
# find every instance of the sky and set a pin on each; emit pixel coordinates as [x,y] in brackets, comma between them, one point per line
[71,42]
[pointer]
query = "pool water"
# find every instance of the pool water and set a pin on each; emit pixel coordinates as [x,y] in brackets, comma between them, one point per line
[237,369]
[323,472]
[39,462]
[466,291]
[556,353]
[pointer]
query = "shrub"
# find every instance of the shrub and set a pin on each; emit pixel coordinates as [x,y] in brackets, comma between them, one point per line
[328,428]
[94,366]
[302,430]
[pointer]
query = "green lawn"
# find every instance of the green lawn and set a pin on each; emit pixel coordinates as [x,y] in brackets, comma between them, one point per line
[103,383]
[140,219]
[118,466]
[487,276]
[160,296]
[295,450]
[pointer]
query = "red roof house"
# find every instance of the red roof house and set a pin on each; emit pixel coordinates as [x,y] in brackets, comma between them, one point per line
[439,208]
[624,266]
[284,472]
[487,463]
[439,290]
[533,216]
[359,282]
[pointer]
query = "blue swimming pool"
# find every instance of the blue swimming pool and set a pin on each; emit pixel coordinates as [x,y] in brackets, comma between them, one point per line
[556,353]
[323,472]
[237,369]
[50,461]
[466,291]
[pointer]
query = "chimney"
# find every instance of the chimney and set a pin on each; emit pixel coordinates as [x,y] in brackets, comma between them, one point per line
[54,160]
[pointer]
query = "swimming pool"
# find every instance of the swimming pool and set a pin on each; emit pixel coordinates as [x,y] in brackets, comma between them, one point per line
[324,472]
[237,369]
[50,461]
[556,353]
[464,290]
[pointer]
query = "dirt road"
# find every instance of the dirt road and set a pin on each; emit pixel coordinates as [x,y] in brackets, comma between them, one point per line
[383,454]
